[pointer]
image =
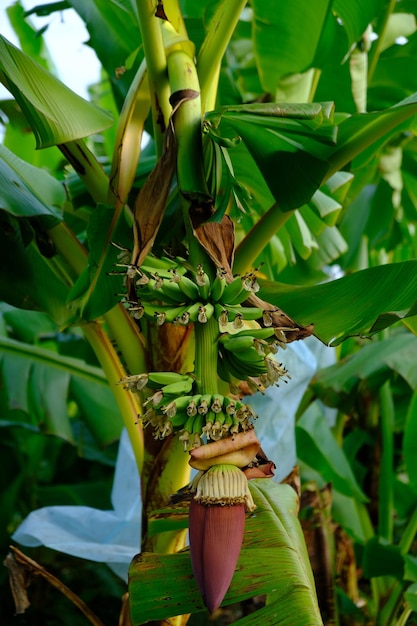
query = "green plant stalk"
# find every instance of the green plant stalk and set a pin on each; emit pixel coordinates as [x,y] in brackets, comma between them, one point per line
[386,475]
[395,598]
[251,246]
[409,534]
[75,367]
[188,125]
[188,130]
[156,65]
[363,138]
[69,247]
[121,326]
[258,237]
[88,168]
[129,340]
[125,334]
[380,28]
[206,350]
[220,31]
[129,133]
[173,11]
[403,619]
[127,402]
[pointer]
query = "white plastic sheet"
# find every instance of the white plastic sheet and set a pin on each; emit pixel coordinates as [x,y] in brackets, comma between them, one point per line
[277,408]
[113,537]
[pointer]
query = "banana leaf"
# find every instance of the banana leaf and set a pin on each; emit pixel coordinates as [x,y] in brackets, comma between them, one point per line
[38,385]
[55,113]
[371,300]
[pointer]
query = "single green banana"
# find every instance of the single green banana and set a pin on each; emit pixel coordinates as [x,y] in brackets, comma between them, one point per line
[195,310]
[246,312]
[226,426]
[204,404]
[217,403]
[210,418]
[156,379]
[198,424]
[222,315]
[218,285]
[170,290]
[222,370]
[192,405]
[234,292]
[163,313]
[189,288]
[182,387]
[230,405]
[216,430]
[258,333]
[187,431]
[205,312]
[176,405]
[235,343]
[153,264]
[203,283]
[179,419]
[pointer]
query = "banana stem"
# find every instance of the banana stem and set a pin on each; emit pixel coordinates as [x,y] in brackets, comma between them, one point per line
[188,125]
[124,332]
[386,477]
[127,145]
[88,168]
[258,237]
[156,65]
[211,53]
[380,28]
[205,364]
[127,402]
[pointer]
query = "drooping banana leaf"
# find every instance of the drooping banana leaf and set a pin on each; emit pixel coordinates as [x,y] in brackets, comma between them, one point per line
[162,585]
[55,113]
[38,384]
[371,300]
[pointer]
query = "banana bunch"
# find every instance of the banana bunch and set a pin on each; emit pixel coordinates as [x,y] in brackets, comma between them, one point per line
[197,417]
[245,356]
[168,291]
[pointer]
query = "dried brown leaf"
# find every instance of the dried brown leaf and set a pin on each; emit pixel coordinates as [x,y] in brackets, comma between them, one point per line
[218,240]
[18,580]
[151,200]
[23,567]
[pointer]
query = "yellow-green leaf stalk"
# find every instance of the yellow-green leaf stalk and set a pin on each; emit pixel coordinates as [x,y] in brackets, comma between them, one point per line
[122,330]
[128,138]
[156,65]
[87,167]
[220,30]
[127,402]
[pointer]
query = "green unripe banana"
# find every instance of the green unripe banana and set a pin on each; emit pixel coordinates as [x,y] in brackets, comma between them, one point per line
[179,388]
[235,343]
[234,292]
[189,288]
[218,286]
[203,283]
[156,379]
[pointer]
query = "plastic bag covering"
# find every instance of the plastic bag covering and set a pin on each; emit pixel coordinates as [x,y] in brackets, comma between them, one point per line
[113,537]
[277,407]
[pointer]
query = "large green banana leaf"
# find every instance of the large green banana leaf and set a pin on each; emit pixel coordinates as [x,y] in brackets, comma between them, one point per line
[55,113]
[162,585]
[371,300]
[38,385]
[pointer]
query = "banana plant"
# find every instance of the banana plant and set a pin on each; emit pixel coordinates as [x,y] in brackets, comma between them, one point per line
[182,262]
